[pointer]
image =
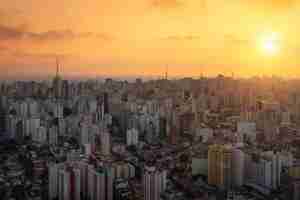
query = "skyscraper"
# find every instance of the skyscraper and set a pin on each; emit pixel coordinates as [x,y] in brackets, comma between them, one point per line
[91,183]
[57,82]
[65,89]
[154,183]
[132,137]
[64,185]
[110,177]
[53,181]
[238,165]
[99,182]
[105,102]
[220,166]
[100,192]
[105,143]
[64,182]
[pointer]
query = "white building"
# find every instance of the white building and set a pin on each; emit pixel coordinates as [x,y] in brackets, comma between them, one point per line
[23,109]
[247,129]
[276,167]
[53,135]
[11,126]
[92,105]
[34,125]
[58,110]
[238,164]
[84,134]
[77,183]
[33,108]
[64,185]
[41,135]
[263,172]
[204,133]
[132,137]
[53,181]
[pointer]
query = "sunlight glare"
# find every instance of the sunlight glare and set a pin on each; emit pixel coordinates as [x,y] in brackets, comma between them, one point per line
[269,44]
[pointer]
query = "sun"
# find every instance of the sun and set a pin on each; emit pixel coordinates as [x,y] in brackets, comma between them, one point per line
[269,44]
[270,47]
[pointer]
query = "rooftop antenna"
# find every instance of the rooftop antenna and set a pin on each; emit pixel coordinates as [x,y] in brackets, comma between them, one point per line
[201,72]
[57,67]
[166,73]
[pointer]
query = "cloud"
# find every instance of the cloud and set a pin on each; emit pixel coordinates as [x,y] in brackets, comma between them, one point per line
[19,42]
[234,40]
[166,3]
[23,54]
[227,40]
[19,33]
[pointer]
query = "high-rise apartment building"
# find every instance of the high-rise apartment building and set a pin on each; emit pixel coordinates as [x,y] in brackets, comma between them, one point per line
[64,182]
[105,143]
[154,183]
[220,165]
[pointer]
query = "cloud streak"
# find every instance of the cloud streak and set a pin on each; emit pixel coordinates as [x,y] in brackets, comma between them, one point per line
[166,3]
[181,38]
[22,54]
[234,40]
[227,38]
[18,33]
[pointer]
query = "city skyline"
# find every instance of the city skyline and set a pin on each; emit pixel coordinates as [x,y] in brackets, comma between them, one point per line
[139,38]
[149,100]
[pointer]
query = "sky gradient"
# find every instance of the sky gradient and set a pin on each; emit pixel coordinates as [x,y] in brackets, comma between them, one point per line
[140,37]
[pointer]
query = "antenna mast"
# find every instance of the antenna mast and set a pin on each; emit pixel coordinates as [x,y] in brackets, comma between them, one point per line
[57,67]
[166,73]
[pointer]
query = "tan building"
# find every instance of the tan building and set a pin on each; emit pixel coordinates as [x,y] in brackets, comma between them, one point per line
[220,165]
[294,171]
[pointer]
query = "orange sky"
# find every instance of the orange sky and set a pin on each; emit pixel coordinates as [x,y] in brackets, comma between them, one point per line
[139,37]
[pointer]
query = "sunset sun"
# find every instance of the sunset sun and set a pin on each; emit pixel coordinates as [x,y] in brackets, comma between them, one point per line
[270,47]
[269,44]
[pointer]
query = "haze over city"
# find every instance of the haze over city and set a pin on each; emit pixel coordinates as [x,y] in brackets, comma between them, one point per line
[141,37]
[149,100]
